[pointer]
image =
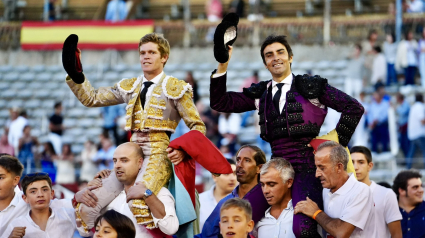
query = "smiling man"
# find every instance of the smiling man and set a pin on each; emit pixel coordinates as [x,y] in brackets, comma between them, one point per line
[276,180]
[292,110]
[155,105]
[410,191]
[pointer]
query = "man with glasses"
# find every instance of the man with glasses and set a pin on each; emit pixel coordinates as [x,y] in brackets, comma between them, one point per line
[409,189]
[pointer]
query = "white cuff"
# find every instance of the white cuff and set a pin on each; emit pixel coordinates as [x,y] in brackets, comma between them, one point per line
[218,75]
[164,222]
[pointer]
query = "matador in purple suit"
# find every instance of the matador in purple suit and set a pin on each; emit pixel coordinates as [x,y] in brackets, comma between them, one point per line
[292,110]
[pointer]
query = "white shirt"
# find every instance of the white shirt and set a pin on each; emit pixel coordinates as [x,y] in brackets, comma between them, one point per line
[287,82]
[386,209]
[379,69]
[269,227]
[352,203]
[16,128]
[155,82]
[231,125]
[208,204]
[169,224]
[415,129]
[61,221]
[18,207]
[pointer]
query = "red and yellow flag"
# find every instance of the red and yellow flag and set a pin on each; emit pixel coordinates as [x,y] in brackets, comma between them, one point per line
[98,35]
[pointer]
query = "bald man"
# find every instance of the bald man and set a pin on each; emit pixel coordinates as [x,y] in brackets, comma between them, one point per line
[128,160]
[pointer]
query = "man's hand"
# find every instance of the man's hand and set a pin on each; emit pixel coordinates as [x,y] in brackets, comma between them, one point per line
[176,156]
[87,197]
[17,232]
[222,67]
[97,182]
[308,207]
[103,174]
[136,191]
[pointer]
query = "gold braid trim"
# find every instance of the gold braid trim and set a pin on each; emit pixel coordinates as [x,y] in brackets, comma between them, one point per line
[157,174]
[78,215]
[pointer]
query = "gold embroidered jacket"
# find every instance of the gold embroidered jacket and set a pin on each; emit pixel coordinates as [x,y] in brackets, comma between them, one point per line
[170,101]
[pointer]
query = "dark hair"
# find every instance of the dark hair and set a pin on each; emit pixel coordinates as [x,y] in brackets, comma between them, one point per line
[121,224]
[371,32]
[362,150]
[11,164]
[231,161]
[25,127]
[242,204]
[377,49]
[403,178]
[259,156]
[275,39]
[384,184]
[51,148]
[358,45]
[34,177]
[58,104]
[419,97]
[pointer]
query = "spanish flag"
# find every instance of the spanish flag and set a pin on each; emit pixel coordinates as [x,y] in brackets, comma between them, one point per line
[95,35]
[333,136]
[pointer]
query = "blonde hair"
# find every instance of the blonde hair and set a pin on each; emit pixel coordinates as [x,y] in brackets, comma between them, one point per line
[159,39]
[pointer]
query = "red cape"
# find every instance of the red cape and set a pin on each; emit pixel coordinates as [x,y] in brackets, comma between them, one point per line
[198,149]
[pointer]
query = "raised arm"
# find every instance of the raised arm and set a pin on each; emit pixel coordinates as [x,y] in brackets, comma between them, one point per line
[351,111]
[90,97]
[223,101]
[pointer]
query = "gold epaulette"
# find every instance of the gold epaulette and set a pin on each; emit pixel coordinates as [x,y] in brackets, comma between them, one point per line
[174,88]
[128,85]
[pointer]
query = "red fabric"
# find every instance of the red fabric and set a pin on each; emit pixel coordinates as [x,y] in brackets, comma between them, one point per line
[200,149]
[78,66]
[316,142]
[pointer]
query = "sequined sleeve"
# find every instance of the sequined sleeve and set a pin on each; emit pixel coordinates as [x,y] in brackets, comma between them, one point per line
[91,97]
[189,113]
[351,112]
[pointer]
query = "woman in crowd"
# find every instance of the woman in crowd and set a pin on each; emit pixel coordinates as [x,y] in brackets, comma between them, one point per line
[88,168]
[27,148]
[65,166]
[46,159]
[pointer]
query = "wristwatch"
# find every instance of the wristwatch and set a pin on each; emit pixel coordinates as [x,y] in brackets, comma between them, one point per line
[147,193]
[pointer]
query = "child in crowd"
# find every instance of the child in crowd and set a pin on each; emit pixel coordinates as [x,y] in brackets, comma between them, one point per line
[42,220]
[113,224]
[236,219]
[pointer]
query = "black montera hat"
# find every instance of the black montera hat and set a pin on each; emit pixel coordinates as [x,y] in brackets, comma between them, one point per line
[225,35]
[70,59]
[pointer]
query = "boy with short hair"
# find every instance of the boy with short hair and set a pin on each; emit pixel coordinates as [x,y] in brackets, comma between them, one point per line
[42,220]
[236,219]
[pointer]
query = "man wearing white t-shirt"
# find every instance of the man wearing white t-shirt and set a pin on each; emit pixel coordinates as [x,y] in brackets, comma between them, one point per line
[276,179]
[387,213]
[348,204]
[128,160]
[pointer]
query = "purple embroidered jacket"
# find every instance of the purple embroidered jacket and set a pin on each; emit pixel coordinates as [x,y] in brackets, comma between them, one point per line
[290,131]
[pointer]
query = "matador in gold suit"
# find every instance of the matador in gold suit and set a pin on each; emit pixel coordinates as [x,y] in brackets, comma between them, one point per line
[168,100]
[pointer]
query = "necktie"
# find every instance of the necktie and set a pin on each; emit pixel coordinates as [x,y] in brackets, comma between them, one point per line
[277,95]
[144,91]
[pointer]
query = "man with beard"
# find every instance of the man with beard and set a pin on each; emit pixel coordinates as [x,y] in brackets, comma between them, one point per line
[249,160]
[292,110]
